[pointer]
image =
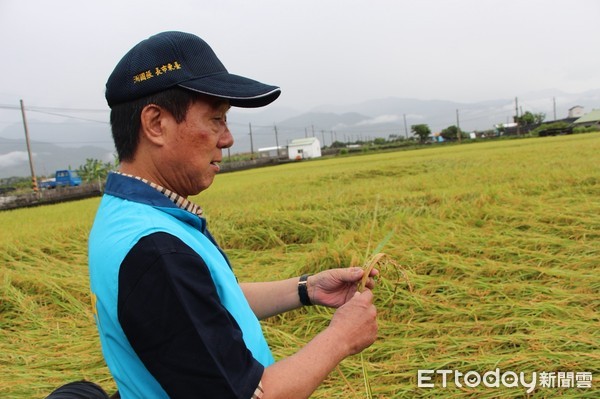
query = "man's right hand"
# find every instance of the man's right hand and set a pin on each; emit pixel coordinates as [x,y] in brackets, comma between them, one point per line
[353,327]
[355,323]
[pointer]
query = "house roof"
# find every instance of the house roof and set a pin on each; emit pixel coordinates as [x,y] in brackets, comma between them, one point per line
[593,116]
[305,141]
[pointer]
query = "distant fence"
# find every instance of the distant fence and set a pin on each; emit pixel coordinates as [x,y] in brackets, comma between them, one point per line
[44,197]
[255,163]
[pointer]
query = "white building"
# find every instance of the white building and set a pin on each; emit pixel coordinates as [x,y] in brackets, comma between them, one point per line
[576,111]
[304,148]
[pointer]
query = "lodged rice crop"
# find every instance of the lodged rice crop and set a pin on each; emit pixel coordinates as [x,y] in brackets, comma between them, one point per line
[498,243]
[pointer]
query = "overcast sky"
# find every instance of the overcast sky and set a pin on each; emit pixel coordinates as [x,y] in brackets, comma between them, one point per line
[59,53]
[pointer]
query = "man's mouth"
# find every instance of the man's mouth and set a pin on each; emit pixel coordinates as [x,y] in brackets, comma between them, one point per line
[216,165]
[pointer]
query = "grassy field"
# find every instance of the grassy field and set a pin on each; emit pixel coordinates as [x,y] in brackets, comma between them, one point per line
[498,245]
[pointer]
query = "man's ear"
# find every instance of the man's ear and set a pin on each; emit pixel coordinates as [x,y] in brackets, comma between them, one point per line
[152,124]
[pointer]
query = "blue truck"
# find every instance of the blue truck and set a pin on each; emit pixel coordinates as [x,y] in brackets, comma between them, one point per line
[62,178]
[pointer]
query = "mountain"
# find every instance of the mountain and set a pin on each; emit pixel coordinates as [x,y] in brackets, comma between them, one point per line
[47,157]
[66,133]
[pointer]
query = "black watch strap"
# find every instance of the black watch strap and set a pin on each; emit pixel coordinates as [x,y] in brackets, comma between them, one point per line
[303,290]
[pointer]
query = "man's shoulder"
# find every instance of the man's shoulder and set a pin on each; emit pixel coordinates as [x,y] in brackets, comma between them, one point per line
[162,243]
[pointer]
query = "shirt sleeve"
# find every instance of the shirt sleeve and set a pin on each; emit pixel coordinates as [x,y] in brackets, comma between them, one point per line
[170,311]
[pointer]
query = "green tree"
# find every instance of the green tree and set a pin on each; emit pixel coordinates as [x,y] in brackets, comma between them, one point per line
[95,170]
[451,133]
[422,131]
[529,118]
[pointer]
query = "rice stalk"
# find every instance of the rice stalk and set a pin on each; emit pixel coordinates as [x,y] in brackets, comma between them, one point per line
[366,381]
[497,242]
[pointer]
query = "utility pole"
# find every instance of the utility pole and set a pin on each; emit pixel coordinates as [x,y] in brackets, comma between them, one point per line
[405,126]
[276,141]
[554,106]
[251,143]
[33,178]
[323,136]
[458,133]
[517,116]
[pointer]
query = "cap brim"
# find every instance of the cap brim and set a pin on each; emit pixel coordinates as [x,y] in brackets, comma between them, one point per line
[240,91]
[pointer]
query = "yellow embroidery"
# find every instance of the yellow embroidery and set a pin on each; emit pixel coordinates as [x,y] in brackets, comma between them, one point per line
[159,70]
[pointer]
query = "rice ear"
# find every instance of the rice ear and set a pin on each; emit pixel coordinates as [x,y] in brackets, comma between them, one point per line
[375,259]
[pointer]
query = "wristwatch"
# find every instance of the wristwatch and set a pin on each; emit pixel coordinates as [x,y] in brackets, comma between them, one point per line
[303,290]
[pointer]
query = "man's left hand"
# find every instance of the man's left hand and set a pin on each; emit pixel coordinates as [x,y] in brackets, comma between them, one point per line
[335,287]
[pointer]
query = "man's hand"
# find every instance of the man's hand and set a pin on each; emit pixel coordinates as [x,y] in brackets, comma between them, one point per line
[353,328]
[356,322]
[335,287]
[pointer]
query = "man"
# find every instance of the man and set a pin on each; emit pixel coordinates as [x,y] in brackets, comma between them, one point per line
[172,317]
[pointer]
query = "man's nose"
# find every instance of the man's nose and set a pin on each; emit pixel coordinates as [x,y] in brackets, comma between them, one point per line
[226,139]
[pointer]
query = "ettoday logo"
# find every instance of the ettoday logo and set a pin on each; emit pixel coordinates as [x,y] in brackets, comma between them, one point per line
[508,379]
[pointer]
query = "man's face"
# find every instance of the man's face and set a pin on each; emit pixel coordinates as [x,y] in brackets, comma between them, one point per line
[194,146]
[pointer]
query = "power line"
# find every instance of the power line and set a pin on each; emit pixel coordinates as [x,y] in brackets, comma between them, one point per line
[5,106]
[65,109]
[70,117]
[53,111]
[74,142]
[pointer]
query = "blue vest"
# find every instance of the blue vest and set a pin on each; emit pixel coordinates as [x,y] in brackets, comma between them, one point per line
[118,226]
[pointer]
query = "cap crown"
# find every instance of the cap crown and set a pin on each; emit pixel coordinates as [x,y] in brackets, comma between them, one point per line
[160,62]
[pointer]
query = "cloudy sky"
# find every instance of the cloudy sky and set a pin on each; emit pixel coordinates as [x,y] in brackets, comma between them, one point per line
[58,54]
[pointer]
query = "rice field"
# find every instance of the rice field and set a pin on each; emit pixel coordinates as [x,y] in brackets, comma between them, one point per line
[497,246]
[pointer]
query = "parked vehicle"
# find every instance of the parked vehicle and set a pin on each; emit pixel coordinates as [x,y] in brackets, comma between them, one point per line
[62,178]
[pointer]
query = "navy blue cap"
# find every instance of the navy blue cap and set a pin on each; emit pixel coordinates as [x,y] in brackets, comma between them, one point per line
[171,59]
